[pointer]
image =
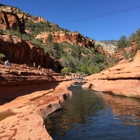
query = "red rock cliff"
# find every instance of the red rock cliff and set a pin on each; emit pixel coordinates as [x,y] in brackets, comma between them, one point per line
[19,51]
[73,38]
[11,21]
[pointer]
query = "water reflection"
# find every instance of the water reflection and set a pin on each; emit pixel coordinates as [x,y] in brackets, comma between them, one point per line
[93,115]
[128,109]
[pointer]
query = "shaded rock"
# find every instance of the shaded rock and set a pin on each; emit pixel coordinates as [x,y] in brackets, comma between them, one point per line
[22,52]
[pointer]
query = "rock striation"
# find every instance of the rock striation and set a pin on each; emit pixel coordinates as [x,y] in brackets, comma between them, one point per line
[23,118]
[122,79]
[10,21]
[17,80]
[27,96]
[73,38]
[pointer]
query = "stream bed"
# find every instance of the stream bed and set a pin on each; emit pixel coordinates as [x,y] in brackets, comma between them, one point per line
[91,115]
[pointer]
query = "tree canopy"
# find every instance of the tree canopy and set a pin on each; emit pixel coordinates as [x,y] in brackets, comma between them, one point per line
[122,42]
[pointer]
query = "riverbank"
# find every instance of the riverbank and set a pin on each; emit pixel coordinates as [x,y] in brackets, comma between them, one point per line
[23,118]
[17,80]
[27,96]
[122,79]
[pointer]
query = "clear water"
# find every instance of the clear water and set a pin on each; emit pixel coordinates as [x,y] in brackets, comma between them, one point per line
[90,115]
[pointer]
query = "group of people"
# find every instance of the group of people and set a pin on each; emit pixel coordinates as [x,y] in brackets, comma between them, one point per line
[7,63]
[39,67]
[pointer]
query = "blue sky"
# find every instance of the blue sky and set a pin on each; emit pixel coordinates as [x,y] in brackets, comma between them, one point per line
[97,19]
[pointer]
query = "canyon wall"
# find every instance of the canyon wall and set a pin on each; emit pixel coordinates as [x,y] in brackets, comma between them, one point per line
[22,52]
[10,21]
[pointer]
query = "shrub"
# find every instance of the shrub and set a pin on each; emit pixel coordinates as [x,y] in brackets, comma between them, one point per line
[122,42]
[49,39]
[64,70]
[37,42]
[1,56]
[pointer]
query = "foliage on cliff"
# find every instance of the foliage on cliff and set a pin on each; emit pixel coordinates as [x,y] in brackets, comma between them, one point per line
[129,46]
[74,57]
[135,36]
[77,58]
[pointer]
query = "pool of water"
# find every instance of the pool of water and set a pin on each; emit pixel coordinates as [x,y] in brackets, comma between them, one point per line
[91,115]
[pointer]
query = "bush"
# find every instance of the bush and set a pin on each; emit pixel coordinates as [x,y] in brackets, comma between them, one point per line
[26,37]
[2,56]
[125,54]
[49,39]
[122,42]
[37,42]
[135,36]
[64,70]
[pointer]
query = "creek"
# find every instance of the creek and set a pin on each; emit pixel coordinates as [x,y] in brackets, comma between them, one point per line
[90,115]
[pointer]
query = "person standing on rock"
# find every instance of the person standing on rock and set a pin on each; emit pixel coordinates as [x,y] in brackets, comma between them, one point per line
[7,63]
[39,67]
[34,64]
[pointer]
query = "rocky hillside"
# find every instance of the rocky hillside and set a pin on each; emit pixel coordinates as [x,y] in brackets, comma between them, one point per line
[14,18]
[34,39]
[108,45]
[45,43]
[73,38]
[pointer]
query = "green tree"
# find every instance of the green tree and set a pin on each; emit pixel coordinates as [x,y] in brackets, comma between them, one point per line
[57,50]
[135,36]
[64,70]
[125,54]
[49,39]
[122,42]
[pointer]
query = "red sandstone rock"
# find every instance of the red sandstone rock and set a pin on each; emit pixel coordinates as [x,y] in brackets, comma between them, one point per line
[122,79]
[30,110]
[22,52]
[17,80]
[101,50]
[70,37]
[41,19]
[120,53]
[11,21]
[23,127]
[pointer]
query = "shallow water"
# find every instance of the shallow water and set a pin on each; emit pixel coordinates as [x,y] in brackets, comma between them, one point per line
[93,115]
